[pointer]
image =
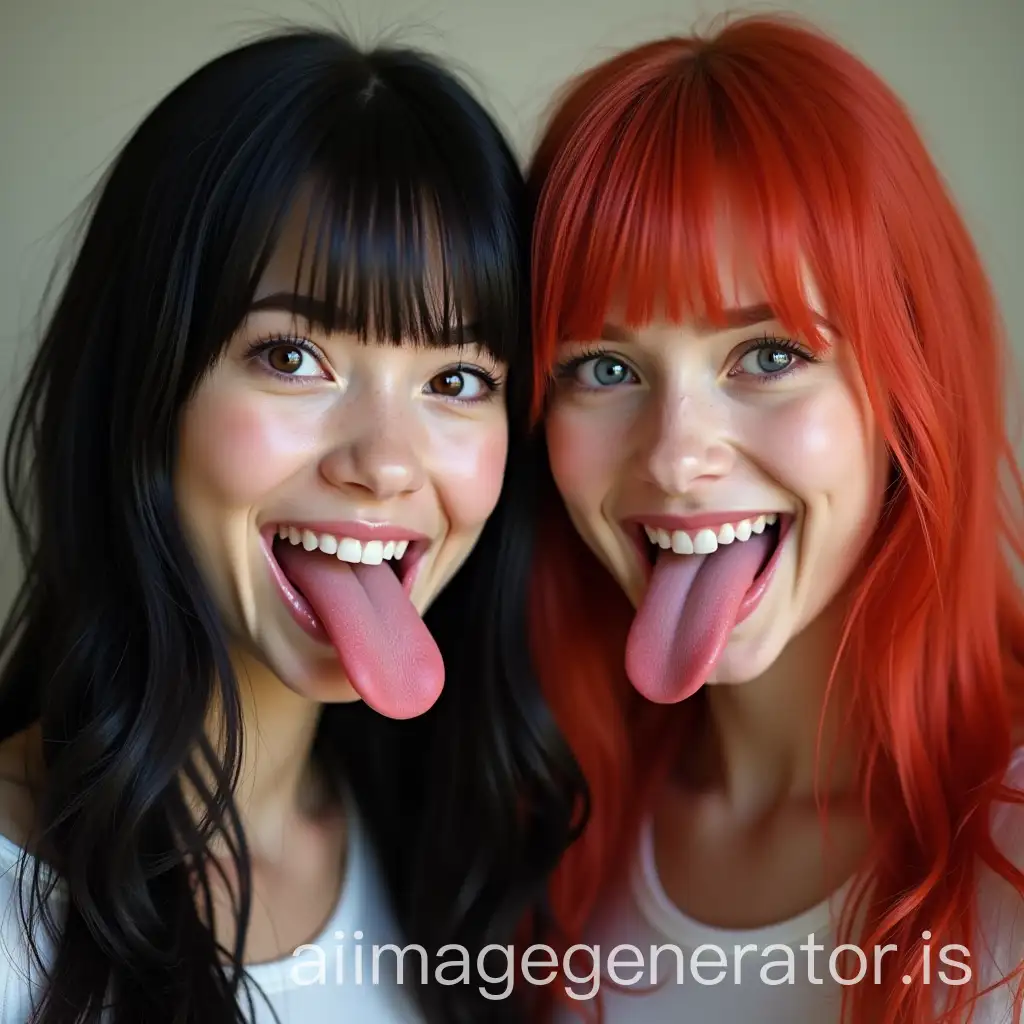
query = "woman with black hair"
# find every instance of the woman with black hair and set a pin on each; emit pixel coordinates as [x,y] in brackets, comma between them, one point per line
[269,426]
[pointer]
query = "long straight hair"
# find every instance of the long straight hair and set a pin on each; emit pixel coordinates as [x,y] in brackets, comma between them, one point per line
[115,647]
[818,161]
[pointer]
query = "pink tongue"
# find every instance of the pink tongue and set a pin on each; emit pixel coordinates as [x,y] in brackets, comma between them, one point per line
[387,652]
[686,617]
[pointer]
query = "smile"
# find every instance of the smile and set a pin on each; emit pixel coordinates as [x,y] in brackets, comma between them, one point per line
[658,536]
[347,549]
[354,543]
[705,541]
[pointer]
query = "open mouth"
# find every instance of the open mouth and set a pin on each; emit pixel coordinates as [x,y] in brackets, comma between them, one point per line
[399,551]
[657,537]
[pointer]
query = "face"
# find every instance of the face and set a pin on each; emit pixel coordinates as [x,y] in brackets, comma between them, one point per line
[332,488]
[728,478]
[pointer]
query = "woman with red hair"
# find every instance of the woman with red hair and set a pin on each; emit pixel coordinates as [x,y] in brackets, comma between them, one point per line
[775,606]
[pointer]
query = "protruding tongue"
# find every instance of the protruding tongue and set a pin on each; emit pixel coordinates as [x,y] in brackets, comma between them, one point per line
[686,617]
[384,646]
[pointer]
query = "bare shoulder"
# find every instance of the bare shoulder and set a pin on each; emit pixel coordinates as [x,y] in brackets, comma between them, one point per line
[20,773]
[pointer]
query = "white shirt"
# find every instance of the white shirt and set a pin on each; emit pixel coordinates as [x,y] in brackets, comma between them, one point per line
[321,983]
[724,982]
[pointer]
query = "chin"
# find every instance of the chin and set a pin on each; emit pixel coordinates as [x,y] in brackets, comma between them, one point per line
[752,649]
[743,662]
[305,669]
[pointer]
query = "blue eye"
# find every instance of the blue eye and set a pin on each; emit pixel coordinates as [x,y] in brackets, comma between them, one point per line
[600,370]
[767,360]
[771,358]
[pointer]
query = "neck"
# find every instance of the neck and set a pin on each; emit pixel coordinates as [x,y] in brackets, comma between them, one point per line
[775,739]
[275,779]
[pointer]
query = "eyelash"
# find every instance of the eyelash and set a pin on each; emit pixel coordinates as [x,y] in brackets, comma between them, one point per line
[774,344]
[258,348]
[768,342]
[491,380]
[570,366]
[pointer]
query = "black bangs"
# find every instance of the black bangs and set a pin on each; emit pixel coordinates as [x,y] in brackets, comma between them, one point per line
[410,199]
[402,247]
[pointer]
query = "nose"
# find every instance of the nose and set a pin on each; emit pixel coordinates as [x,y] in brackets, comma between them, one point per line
[687,444]
[379,460]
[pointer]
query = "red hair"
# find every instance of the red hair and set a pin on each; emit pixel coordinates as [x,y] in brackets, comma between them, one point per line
[821,168]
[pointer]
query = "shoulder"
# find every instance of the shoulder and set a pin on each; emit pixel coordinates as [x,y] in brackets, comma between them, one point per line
[19,969]
[999,936]
[21,952]
[20,773]
[1008,816]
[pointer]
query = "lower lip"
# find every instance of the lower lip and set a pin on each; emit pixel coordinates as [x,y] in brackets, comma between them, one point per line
[296,604]
[758,588]
[299,607]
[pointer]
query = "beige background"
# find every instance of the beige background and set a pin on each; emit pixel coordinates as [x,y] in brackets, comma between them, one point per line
[77,75]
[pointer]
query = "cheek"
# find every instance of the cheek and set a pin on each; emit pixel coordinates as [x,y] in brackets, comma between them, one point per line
[468,471]
[584,447]
[824,447]
[237,447]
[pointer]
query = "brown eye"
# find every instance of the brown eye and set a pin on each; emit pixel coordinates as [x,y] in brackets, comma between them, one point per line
[285,358]
[463,384]
[449,384]
[292,360]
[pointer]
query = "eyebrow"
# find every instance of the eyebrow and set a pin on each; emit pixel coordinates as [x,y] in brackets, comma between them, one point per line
[316,311]
[732,318]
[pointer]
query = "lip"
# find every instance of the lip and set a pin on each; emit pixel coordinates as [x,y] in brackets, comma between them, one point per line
[705,521]
[361,530]
[634,528]
[297,605]
[760,586]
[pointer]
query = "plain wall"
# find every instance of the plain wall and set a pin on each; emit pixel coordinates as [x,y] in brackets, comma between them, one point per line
[76,76]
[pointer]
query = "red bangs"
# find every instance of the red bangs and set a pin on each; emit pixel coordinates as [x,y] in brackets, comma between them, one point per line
[692,155]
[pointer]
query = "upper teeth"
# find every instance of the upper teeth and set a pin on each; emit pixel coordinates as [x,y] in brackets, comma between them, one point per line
[348,549]
[706,541]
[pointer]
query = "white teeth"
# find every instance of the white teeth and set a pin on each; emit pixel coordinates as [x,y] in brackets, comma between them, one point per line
[681,543]
[707,541]
[373,552]
[347,549]
[350,550]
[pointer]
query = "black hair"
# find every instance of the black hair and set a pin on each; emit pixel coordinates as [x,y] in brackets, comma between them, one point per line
[114,646]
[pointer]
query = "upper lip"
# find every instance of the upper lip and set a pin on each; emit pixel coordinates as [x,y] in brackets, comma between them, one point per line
[358,529]
[704,520]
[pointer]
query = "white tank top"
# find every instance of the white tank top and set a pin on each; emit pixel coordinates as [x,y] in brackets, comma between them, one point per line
[763,975]
[326,981]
